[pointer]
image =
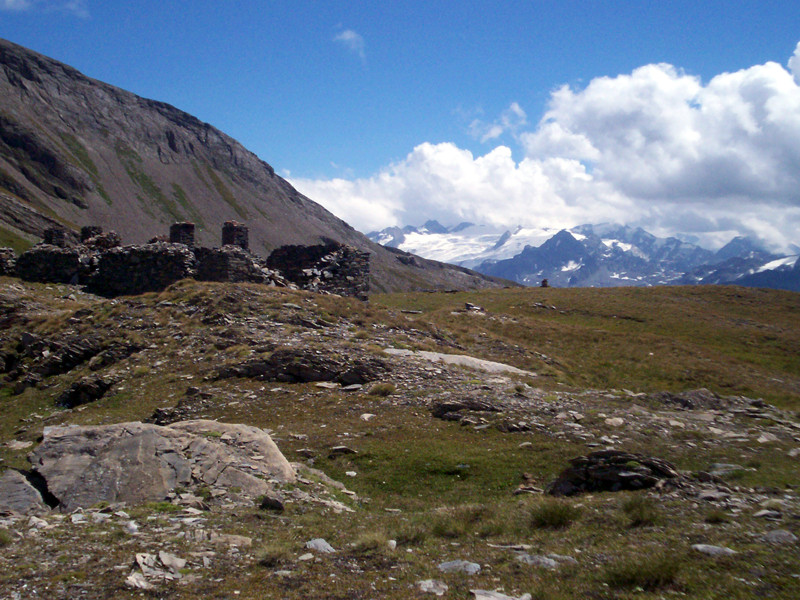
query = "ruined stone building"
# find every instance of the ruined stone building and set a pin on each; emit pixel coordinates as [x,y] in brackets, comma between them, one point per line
[104,266]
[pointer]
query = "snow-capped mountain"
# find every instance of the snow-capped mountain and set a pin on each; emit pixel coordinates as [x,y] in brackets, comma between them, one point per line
[466,244]
[593,255]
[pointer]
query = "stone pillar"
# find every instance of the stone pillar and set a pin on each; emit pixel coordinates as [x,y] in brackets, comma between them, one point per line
[90,231]
[182,233]
[235,234]
[55,236]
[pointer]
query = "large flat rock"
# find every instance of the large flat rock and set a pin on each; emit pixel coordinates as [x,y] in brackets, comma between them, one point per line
[138,462]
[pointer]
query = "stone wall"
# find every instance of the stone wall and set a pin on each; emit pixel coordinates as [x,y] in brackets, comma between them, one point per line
[235,234]
[139,269]
[46,263]
[182,233]
[108,269]
[332,268]
[232,263]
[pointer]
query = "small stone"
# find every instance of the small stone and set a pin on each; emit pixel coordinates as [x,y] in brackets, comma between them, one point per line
[392,544]
[432,586]
[306,557]
[489,595]
[772,515]
[794,452]
[351,473]
[615,422]
[538,560]
[340,451]
[780,536]
[710,550]
[320,545]
[137,581]
[366,416]
[460,566]
[767,437]
[172,562]
[327,385]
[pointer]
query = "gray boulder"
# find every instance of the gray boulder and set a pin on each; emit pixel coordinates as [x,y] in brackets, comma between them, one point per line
[18,495]
[137,462]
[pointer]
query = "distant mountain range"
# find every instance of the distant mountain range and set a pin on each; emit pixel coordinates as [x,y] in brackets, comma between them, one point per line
[595,255]
[75,151]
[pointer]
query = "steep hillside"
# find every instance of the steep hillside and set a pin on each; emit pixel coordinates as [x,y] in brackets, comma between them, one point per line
[76,151]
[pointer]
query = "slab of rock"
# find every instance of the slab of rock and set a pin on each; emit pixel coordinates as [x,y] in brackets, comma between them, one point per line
[137,462]
[18,495]
[320,545]
[611,471]
[460,566]
[432,586]
[710,550]
[780,536]
[491,595]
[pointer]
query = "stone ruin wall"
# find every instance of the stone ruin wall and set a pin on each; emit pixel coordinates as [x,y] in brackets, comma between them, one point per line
[330,267]
[105,267]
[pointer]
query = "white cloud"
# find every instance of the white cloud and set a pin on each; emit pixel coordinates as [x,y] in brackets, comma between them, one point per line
[794,64]
[78,8]
[656,147]
[511,119]
[15,5]
[353,42]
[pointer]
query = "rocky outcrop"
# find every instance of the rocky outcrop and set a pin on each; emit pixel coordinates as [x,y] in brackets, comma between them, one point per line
[611,471]
[137,462]
[303,365]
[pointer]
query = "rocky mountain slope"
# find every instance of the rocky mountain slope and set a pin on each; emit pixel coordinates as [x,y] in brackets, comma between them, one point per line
[563,443]
[75,151]
[594,255]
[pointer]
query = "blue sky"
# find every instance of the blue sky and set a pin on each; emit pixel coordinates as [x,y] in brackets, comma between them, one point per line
[394,112]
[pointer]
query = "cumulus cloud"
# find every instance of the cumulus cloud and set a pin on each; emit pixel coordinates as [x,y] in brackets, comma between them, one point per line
[657,147]
[353,42]
[76,7]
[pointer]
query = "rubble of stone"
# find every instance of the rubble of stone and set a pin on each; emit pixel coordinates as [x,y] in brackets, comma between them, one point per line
[329,267]
[8,261]
[137,462]
[100,262]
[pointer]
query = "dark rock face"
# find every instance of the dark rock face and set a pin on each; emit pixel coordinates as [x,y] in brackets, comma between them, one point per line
[330,267]
[454,410]
[84,391]
[302,366]
[611,471]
